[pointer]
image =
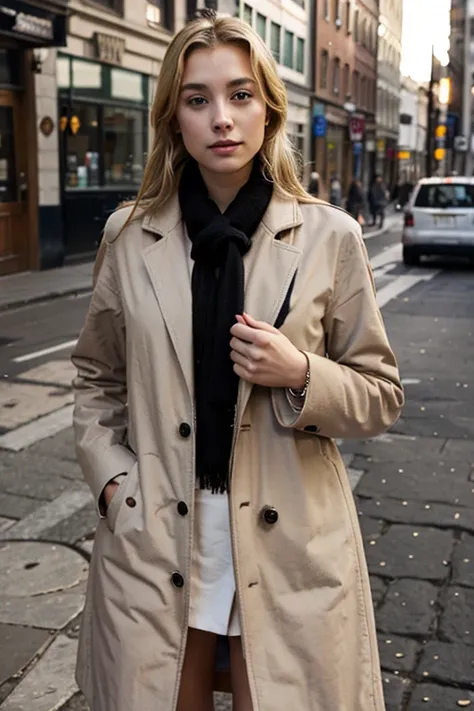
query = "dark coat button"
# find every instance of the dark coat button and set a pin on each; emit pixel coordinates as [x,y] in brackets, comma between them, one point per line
[177,580]
[184,429]
[130,501]
[182,508]
[269,515]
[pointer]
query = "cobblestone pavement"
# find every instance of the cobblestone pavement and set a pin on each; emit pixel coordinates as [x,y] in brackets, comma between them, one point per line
[414,488]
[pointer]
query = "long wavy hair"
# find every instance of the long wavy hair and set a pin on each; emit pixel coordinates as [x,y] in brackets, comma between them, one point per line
[168,154]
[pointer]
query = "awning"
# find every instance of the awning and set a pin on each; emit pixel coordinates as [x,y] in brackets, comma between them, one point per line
[36,23]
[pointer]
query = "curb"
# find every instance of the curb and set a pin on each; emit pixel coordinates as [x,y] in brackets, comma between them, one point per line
[43,298]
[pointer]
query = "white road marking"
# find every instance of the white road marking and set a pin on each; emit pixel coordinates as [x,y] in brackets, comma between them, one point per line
[50,514]
[45,351]
[403,283]
[43,427]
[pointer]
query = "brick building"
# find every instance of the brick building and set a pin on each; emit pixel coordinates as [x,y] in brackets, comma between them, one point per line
[345,85]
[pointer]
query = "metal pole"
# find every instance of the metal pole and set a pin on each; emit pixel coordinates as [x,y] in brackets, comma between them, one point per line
[467,86]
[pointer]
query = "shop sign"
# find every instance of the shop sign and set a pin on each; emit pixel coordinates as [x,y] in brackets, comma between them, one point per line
[356,128]
[34,25]
[381,146]
[319,109]
[319,126]
[108,48]
[404,155]
[357,148]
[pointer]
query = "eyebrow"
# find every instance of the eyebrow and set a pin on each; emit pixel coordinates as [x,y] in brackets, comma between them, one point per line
[196,86]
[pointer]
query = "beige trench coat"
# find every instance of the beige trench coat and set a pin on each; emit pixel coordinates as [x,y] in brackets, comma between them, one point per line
[302,585]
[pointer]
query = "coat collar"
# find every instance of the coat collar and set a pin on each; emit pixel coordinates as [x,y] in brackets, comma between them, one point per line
[269,266]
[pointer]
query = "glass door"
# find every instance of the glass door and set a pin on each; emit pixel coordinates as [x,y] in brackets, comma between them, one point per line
[13,188]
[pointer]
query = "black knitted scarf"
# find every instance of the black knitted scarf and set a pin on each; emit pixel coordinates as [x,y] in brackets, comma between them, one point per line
[219,242]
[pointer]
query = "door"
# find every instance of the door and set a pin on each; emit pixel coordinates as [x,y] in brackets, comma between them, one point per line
[13,188]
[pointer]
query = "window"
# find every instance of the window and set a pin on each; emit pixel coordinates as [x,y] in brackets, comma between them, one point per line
[115,5]
[336,84]
[261,26]
[445,196]
[288,50]
[363,92]
[326,9]
[323,72]
[163,14]
[247,14]
[300,55]
[275,39]
[349,16]
[337,10]
[364,33]
[345,82]
[355,87]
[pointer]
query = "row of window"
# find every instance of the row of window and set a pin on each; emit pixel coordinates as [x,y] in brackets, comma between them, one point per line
[359,88]
[388,107]
[364,27]
[286,47]
[388,53]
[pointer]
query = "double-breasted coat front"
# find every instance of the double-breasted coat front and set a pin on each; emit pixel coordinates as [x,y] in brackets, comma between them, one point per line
[302,586]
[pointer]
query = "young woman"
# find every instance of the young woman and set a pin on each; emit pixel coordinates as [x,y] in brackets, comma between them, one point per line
[233,333]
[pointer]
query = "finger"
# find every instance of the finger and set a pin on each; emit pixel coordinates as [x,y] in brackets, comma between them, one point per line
[242,373]
[240,346]
[260,325]
[238,358]
[240,318]
[244,332]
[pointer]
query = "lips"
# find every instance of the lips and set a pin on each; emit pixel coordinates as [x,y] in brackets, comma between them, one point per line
[224,144]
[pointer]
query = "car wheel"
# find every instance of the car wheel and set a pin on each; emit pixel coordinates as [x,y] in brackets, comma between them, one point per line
[411,258]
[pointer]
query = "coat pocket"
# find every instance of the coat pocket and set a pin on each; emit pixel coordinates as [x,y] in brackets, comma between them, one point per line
[124,496]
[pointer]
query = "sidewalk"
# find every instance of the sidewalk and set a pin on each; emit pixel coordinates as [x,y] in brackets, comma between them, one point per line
[31,287]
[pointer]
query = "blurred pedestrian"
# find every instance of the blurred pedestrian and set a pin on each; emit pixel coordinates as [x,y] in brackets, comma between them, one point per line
[355,200]
[314,184]
[233,332]
[378,201]
[335,191]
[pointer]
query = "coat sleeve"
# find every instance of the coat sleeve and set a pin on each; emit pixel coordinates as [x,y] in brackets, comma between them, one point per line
[100,413]
[354,391]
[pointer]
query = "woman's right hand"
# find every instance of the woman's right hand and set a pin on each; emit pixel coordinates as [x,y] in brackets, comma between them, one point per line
[109,493]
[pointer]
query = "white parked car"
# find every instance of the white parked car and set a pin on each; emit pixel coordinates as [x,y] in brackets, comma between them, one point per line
[439,219]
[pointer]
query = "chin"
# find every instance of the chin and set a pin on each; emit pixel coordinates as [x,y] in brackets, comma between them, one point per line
[226,164]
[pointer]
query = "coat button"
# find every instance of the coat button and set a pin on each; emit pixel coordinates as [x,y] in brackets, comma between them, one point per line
[184,430]
[130,501]
[177,580]
[269,515]
[182,508]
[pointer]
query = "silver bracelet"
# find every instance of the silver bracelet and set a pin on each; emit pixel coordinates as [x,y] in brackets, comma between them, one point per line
[302,393]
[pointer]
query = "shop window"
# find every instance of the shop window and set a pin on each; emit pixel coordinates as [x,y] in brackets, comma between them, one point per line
[10,65]
[288,50]
[126,85]
[124,146]
[261,26]
[323,72]
[275,41]
[336,83]
[247,16]
[86,75]
[82,149]
[300,55]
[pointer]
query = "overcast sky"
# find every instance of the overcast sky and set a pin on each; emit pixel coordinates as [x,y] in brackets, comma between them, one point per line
[425,23]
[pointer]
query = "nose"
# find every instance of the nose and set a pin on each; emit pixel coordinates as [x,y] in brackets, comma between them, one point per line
[222,121]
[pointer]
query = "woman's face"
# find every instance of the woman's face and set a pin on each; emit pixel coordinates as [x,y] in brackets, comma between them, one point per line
[221,112]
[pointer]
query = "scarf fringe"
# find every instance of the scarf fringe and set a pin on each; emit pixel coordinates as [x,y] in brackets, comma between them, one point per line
[216,484]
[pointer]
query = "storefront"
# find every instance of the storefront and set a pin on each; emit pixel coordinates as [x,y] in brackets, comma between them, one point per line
[103,120]
[24,29]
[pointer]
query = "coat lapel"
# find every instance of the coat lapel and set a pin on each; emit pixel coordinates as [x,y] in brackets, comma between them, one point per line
[167,264]
[270,267]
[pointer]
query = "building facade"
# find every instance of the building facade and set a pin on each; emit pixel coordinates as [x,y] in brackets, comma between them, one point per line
[28,31]
[344,89]
[412,131]
[388,88]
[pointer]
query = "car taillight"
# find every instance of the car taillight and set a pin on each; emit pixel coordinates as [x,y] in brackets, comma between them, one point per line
[409,220]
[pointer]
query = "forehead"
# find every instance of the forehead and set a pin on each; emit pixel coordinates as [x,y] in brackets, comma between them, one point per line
[216,65]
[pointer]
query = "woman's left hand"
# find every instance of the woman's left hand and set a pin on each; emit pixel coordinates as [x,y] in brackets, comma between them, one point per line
[264,356]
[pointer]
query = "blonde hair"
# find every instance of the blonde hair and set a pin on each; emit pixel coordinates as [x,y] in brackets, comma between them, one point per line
[168,154]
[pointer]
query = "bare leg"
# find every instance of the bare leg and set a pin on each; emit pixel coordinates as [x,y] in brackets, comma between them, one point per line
[241,698]
[196,688]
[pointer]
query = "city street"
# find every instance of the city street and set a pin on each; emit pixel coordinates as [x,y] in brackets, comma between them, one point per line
[414,489]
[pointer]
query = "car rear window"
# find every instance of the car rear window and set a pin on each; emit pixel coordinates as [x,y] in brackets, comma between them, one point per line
[447,195]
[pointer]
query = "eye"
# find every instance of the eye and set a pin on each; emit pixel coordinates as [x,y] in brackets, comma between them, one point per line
[196,101]
[242,95]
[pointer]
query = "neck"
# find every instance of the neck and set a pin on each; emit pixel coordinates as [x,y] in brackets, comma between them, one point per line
[223,187]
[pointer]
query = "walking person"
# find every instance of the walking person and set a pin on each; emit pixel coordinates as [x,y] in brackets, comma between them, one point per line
[355,200]
[378,201]
[232,335]
[335,191]
[314,184]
